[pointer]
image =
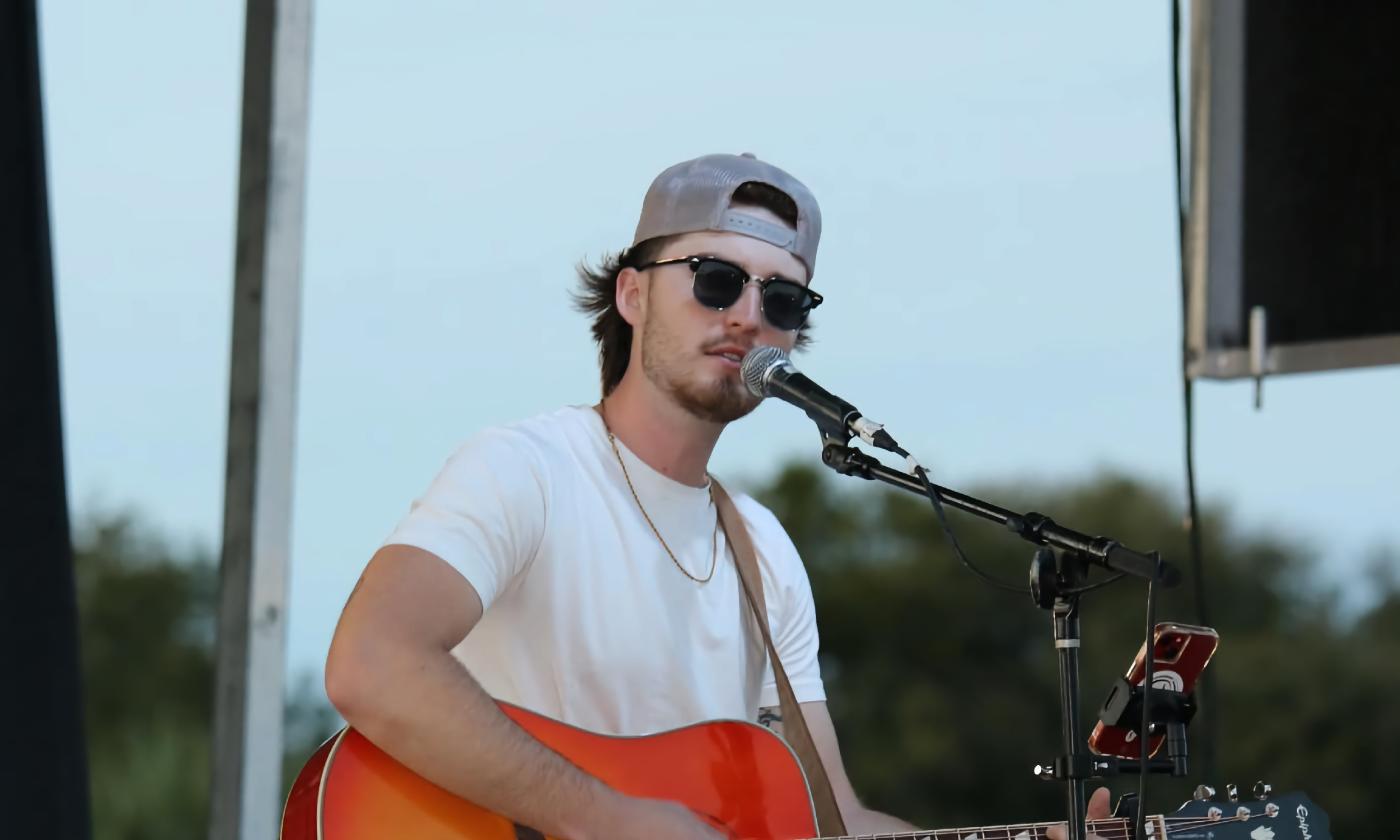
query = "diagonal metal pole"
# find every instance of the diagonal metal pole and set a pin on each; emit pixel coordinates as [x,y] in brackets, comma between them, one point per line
[245,801]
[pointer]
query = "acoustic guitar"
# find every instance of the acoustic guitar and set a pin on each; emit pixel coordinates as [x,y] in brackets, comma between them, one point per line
[739,776]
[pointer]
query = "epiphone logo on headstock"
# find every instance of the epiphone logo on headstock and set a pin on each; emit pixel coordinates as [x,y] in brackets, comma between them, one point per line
[1303,822]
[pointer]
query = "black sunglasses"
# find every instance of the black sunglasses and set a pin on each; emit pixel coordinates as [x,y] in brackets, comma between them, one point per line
[719,283]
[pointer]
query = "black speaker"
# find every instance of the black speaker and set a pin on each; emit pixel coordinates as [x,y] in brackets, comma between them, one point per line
[1293,229]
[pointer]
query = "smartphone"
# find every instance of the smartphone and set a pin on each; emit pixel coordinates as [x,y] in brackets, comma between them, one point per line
[1180,653]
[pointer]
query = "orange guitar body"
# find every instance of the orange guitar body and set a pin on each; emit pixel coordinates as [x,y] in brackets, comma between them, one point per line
[737,775]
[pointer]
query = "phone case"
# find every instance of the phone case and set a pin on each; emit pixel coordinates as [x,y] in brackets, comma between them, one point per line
[1180,653]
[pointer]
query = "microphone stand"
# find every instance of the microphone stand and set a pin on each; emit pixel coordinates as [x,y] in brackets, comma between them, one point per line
[1056,583]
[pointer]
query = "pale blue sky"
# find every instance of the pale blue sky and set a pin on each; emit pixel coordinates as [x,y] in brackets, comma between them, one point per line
[999,256]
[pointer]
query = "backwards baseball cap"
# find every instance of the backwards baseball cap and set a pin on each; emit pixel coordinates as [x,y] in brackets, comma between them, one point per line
[698,195]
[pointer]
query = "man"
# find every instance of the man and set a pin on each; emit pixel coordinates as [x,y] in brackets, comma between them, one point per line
[574,564]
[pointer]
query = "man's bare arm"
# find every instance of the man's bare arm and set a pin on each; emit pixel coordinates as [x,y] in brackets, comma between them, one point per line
[859,819]
[392,675]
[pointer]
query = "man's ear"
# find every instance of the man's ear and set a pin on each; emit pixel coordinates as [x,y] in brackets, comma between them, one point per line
[631,296]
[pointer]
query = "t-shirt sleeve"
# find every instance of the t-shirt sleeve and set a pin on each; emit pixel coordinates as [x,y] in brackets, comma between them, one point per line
[484,513]
[792,613]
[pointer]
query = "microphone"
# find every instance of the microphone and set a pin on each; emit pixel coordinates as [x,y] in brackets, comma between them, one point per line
[768,373]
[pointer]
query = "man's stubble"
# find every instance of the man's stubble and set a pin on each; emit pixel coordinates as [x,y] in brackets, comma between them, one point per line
[720,400]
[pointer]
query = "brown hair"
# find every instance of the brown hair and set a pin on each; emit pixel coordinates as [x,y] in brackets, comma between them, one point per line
[597,290]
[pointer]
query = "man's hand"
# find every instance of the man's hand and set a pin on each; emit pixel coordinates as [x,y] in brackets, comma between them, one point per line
[632,818]
[1097,810]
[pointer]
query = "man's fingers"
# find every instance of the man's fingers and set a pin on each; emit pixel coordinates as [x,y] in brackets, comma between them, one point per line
[1098,808]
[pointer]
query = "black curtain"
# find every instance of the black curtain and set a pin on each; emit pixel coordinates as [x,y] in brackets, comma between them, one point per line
[43,762]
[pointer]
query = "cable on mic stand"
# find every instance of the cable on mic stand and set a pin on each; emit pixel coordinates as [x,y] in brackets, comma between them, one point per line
[932,494]
[1140,824]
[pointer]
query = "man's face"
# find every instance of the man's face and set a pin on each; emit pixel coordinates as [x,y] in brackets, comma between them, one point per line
[692,353]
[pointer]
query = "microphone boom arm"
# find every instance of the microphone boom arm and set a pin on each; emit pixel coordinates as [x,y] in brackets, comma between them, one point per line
[1032,527]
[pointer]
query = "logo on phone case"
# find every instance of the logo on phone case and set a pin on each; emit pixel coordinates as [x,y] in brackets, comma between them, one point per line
[1168,680]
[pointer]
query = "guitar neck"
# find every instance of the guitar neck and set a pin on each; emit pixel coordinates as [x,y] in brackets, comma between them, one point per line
[1109,829]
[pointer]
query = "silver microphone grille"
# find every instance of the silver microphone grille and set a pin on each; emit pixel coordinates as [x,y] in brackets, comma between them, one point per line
[757,364]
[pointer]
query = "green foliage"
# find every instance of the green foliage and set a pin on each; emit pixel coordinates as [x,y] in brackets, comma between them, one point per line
[147,617]
[945,690]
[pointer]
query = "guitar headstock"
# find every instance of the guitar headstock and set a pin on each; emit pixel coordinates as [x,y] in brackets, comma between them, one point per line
[1262,816]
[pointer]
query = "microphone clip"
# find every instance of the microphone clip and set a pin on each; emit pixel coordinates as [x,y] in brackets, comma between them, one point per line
[839,455]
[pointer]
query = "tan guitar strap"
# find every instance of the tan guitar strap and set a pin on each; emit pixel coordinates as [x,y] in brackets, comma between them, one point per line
[829,821]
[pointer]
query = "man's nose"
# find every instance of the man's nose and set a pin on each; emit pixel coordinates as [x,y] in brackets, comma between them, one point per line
[747,311]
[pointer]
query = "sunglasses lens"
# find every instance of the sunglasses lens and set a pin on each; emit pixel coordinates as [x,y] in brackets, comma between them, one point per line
[718,285]
[785,304]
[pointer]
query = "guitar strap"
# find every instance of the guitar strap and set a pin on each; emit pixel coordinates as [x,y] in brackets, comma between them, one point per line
[829,821]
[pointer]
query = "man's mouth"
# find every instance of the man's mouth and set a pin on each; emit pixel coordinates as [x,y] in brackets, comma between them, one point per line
[731,354]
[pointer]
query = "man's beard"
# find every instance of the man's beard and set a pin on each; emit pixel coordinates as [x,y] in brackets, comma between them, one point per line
[722,400]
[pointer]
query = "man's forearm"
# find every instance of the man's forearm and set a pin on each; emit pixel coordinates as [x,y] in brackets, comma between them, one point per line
[858,818]
[427,711]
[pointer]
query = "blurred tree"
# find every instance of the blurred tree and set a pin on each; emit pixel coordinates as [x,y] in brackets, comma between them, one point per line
[945,690]
[146,615]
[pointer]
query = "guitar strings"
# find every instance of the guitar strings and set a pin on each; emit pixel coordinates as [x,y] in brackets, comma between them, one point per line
[1115,828]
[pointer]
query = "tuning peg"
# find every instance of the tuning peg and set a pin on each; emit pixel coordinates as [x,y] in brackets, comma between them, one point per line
[1232,793]
[1203,793]
[1262,790]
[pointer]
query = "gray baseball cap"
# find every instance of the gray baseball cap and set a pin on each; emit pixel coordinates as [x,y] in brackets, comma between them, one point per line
[698,195]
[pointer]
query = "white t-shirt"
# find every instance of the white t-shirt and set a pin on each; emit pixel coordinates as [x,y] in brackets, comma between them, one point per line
[587,620]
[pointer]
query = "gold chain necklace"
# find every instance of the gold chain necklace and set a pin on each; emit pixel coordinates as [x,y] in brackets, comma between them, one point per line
[714,538]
